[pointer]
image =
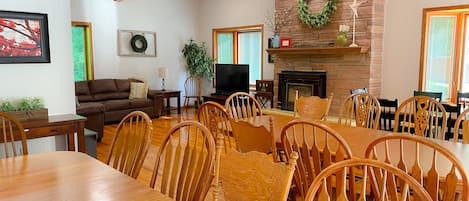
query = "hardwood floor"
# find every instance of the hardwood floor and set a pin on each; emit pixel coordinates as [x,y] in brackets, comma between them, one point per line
[160,128]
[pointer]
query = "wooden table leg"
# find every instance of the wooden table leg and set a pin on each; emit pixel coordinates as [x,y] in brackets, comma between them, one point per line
[179,103]
[81,137]
[71,141]
[168,108]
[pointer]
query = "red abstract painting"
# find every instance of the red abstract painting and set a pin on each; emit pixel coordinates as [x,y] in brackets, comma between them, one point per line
[20,37]
[24,37]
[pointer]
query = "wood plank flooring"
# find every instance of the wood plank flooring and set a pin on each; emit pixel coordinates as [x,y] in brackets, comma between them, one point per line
[160,128]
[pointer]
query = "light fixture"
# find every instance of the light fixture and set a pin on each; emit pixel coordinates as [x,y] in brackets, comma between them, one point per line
[163,74]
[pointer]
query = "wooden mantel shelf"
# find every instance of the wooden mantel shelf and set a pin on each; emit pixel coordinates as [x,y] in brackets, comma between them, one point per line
[317,50]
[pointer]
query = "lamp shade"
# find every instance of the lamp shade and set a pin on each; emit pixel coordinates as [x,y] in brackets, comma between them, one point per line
[163,72]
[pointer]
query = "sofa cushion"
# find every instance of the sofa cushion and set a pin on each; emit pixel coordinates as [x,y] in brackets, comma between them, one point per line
[81,88]
[106,96]
[140,102]
[123,85]
[138,90]
[102,86]
[90,108]
[112,105]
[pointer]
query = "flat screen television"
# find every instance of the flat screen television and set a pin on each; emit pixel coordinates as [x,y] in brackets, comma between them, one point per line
[230,78]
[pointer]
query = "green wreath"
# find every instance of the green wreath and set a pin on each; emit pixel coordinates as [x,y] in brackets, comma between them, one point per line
[316,20]
[138,47]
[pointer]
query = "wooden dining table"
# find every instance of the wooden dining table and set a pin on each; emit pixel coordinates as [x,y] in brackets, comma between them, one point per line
[358,139]
[68,176]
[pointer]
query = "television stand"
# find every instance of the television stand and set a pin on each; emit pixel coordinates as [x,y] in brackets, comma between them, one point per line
[216,98]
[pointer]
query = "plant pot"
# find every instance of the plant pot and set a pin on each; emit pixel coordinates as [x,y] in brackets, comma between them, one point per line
[30,114]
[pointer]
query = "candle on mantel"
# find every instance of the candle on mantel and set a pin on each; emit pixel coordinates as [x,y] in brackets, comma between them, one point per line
[296,95]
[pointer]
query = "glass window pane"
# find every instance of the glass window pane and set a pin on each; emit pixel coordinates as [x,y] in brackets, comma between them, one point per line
[249,52]
[440,54]
[79,56]
[465,70]
[225,48]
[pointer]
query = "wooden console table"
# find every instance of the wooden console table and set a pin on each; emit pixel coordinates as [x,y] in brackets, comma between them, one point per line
[67,124]
[167,94]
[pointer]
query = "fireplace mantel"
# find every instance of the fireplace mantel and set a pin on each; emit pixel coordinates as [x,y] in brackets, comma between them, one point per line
[317,50]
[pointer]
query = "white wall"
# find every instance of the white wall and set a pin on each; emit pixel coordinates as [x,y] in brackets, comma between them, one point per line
[51,81]
[228,13]
[174,24]
[403,21]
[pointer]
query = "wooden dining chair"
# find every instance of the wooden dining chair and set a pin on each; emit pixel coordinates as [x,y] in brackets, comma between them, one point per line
[192,91]
[12,131]
[214,116]
[379,175]
[421,115]
[462,122]
[254,176]
[435,95]
[407,152]
[358,91]
[241,105]
[388,110]
[313,107]
[184,164]
[131,142]
[251,137]
[363,109]
[463,99]
[318,147]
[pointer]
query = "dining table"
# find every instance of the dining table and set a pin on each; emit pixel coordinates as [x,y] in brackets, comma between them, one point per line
[71,176]
[358,139]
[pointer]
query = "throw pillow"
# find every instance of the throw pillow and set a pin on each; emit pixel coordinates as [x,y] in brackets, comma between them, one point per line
[138,90]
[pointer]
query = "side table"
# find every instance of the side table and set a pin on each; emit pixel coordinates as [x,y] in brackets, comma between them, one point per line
[167,94]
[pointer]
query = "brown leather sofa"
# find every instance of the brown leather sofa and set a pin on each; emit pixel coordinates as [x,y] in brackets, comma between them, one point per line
[107,101]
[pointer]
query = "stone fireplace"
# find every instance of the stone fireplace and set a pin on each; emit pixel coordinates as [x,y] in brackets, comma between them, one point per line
[315,49]
[301,83]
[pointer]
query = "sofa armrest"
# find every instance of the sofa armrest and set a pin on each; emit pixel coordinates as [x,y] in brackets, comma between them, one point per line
[157,102]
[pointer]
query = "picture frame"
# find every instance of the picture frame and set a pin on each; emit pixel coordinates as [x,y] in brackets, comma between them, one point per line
[25,37]
[285,42]
[136,43]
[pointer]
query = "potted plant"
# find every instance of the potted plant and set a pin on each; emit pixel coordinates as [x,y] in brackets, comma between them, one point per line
[199,63]
[25,108]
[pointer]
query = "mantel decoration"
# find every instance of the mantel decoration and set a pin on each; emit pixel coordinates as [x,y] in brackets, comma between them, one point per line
[354,6]
[199,63]
[25,108]
[24,37]
[342,36]
[275,21]
[136,43]
[316,20]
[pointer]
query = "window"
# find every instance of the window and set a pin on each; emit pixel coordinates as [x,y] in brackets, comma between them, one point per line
[240,45]
[82,51]
[443,67]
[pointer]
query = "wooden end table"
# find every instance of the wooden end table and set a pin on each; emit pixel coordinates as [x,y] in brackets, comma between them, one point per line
[66,124]
[167,94]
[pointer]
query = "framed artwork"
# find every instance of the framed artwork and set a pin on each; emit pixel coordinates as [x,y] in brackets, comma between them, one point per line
[136,43]
[285,42]
[24,37]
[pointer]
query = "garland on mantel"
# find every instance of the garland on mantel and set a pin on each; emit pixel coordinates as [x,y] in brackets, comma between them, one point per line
[316,20]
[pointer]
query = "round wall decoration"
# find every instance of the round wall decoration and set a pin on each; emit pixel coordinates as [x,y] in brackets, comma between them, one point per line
[138,43]
[316,20]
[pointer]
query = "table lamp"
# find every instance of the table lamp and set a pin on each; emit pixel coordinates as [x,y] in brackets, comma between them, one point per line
[163,74]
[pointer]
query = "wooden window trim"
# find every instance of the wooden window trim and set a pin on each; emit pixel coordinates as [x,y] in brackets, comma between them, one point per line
[236,31]
[460,12]
[88,47]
